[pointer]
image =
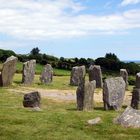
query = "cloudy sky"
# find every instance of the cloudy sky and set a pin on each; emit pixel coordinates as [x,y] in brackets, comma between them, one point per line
[72,28]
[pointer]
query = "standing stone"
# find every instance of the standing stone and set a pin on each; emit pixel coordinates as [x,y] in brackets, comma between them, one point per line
[80,94]
[47,74]
[28,72]
[113,93]
[138,80]
[135,102]
[129,118]
[32,99]
[8,71]
[88,95]
[95,73]
[124,74]
[77,74]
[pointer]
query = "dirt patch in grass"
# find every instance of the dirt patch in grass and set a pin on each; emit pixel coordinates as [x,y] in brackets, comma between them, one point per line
[66,95]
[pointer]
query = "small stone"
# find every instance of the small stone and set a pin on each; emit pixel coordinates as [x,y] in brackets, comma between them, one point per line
[36,109]
[94,121]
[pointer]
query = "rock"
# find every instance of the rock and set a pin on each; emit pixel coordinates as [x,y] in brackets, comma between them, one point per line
[77,74]
[94,121]
[47,74]
[28,72]
[135,102]
[124,74]
[32,99]
[113,93]
[89,89]
[80,95]
[129,118]
[36,109]
[95,73]
[8,71]
[138,80]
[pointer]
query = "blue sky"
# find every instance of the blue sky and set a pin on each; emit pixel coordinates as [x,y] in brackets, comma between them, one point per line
[72,28]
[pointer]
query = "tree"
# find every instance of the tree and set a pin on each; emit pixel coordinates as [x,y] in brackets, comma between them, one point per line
[35,51]
[112,56]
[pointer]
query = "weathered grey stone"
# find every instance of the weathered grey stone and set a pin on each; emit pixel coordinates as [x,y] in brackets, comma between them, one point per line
[94,121]
[8,71]
[88,95]
[113,93]
[47,74]
[138,80]
[124,74]
[28,72]
[77,74]
[95,73]
[32,99]
[80,95]
[135,102]
[129,118]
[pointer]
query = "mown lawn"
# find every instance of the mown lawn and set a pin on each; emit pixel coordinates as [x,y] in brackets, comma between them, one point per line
[57,121]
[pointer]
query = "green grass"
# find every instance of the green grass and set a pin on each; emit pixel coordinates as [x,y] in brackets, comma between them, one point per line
[59,82]
[39,69]
[57,121]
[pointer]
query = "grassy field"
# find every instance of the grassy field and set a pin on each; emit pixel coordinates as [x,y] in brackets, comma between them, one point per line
[59,82]
[57,121]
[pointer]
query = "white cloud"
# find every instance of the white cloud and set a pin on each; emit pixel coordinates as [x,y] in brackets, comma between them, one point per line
[43,19]
[127,2]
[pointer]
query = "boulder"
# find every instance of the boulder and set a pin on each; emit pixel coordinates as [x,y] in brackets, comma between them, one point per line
[113,93]
[129,118]
[47,74]
[32,99]
[8,71]
[77,74]
[28,72]
[95,73]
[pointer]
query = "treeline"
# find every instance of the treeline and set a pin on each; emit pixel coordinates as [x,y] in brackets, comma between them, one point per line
[108,63]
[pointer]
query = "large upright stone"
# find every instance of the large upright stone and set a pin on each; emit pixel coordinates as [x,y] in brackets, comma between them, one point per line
[113,93]
[84,94]
[8,71]
[135,102]
[124,74]
[80,95]
[95,73]
[32,99]
[88,95]
[138,80]
[77,74]
[129,118]
[47,74]
[28,72]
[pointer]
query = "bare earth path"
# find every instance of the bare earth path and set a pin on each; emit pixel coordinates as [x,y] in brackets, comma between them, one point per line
[65,95]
